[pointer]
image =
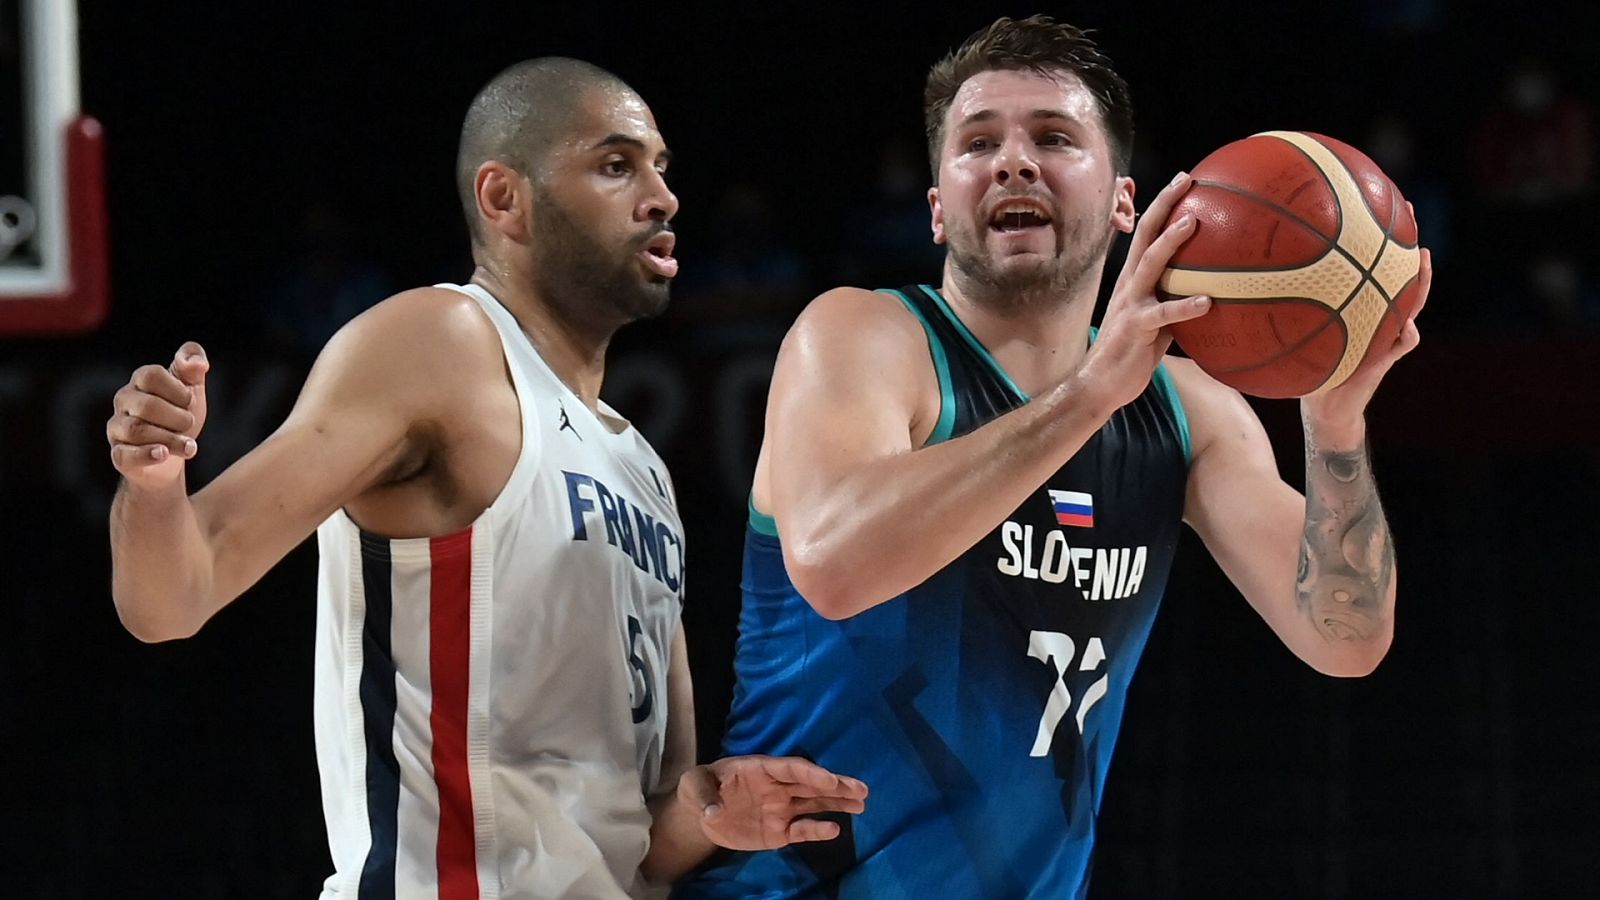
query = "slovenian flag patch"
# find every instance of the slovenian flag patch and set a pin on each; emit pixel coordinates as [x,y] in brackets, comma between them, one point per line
[1073,508]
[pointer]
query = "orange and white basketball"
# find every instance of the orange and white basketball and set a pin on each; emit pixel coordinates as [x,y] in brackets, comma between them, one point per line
[1309,254]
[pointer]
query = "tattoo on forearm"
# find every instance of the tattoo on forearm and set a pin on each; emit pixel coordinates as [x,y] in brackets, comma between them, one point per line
[1347,556]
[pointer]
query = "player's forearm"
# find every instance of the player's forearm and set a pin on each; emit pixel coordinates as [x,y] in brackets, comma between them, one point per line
[677,842]
[1345,586]
[890,525]
[161,564]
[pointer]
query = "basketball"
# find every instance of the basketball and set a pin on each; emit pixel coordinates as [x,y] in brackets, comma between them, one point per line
[1309,254]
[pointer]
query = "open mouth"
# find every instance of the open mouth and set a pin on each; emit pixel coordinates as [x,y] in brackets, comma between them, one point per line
[1019,215]
[657,254]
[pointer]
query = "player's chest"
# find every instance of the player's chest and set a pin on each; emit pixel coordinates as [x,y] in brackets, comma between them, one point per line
[1093,533]
[613,514]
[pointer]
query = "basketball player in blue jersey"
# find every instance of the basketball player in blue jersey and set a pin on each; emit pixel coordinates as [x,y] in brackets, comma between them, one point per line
[967,501]
[503,704]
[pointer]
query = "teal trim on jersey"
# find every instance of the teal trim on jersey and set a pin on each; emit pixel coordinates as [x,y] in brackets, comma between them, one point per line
[767,525]
[976,344]
[760,521]
[941,364]
[1168,390]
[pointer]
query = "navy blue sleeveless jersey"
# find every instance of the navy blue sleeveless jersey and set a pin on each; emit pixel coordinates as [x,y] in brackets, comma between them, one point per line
[981,706]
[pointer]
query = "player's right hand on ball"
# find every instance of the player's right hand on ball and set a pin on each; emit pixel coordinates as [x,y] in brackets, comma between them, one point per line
[156,416]
[1133,335]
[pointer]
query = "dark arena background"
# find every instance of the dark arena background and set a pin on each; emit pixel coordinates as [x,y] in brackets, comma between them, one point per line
[272,169]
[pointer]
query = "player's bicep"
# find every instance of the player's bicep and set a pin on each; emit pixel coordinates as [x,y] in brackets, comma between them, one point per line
[843,395]
[347,431]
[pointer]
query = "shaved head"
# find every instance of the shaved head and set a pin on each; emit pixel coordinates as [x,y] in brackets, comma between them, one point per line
[519,116]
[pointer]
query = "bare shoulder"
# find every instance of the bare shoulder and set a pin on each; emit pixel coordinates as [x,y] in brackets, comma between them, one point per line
[862,354]
[854,322]
[418,325]
[405,333]
[418,343]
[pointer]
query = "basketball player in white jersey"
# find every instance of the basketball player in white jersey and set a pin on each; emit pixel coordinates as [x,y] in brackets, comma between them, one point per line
[503,706]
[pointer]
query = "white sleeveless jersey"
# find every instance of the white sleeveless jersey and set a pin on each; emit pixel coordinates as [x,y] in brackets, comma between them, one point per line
[491,704]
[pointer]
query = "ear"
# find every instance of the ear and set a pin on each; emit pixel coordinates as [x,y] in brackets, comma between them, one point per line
[937,210]
[505,200]
[1123,214]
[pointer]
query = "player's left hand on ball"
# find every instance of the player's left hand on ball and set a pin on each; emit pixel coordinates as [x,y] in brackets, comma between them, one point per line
[1350,399]
[761,802]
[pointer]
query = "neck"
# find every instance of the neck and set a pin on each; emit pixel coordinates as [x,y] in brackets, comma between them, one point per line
[1038,343]
[575,351]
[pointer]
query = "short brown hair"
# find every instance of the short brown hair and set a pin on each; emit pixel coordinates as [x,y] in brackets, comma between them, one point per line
[1043,45]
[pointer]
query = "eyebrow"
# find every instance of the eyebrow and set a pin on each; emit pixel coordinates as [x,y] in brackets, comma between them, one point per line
[618,139]
[985,115]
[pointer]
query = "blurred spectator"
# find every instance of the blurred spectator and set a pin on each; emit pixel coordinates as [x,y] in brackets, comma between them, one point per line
[1565,293]
[1536,144]
[1544,293]
[886,239]
[328,282]
[1533,170]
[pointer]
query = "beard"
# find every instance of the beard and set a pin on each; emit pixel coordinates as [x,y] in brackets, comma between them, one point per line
[1012,285]
[588,280]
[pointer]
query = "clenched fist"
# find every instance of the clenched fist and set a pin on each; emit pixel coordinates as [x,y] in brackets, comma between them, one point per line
[156,416]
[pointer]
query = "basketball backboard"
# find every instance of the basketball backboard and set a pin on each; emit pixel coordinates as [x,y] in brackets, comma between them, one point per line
[53,261]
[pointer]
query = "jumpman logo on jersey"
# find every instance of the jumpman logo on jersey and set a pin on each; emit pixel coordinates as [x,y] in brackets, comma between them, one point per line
[566,423]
